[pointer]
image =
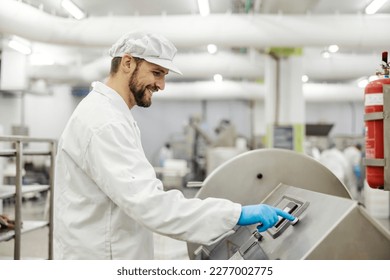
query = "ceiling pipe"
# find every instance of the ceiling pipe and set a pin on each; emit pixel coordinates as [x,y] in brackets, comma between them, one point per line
[313,93]
[230,30]
[341,67]
[231,90]
[253,91]
[322,92]
[193,66]
[225,90]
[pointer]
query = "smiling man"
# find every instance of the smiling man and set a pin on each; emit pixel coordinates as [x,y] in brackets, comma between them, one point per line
[107,199]
[143,60]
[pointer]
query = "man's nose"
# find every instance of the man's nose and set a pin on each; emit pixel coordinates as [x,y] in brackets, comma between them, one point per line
[161,84]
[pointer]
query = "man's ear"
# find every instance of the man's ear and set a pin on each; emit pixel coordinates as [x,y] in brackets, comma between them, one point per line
[126,63]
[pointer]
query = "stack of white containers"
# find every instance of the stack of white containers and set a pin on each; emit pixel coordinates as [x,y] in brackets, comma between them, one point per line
[377,202]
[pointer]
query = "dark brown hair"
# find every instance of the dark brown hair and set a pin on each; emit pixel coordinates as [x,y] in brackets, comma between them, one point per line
[116,61]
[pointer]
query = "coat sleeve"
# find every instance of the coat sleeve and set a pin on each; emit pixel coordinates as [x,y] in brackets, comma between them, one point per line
[119,167]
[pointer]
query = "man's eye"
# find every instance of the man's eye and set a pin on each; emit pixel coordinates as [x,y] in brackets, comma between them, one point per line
[156,73]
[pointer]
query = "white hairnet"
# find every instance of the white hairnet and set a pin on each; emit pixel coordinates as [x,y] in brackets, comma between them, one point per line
[153,48]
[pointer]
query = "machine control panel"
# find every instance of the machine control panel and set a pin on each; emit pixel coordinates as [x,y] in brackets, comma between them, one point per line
[293,205]
[327,226]
[246,242]
[251,249]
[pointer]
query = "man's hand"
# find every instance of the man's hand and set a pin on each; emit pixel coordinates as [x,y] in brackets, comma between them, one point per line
[264,214]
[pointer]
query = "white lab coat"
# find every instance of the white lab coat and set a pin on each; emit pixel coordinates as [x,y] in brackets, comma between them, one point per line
[353,155]
[107,198]
[335,160]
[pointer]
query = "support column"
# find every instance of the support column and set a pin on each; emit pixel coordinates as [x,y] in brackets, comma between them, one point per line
[258,126]
[284,102]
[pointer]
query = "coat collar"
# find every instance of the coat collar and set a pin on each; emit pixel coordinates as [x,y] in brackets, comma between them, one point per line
[115,98]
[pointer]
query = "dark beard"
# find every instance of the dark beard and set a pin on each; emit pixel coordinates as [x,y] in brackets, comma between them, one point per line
[139,95]
[138,92]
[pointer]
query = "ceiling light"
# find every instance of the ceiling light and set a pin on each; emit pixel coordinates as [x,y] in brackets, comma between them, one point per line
[305,78]
[218,78]
[204,7]
[19,44]
[72,9]
[333,48]
[374,6]
[325,54]
[212,49]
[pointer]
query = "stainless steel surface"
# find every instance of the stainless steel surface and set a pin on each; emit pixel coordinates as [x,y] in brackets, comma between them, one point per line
[53,149]
[331,225]
[18,152]
[18,198]
[25,139]
[250,177]
[330,228]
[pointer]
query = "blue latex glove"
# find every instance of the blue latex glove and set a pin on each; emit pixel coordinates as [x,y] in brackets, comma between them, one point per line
[267,215]
[357,171]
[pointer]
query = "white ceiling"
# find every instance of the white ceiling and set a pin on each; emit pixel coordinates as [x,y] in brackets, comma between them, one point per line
[183,7]
[239,59]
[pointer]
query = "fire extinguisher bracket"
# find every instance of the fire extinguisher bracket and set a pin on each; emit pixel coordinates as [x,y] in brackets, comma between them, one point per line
[374,116]
[374,162]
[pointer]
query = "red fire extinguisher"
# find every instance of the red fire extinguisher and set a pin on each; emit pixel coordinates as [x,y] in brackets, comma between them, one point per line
[374,137]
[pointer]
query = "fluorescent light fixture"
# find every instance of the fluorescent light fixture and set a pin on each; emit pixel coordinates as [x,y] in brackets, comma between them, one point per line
[212,49]
[19,44]
[72,9]
[333,48]
[374,6]
[218,78]
[305,78]
[204,7]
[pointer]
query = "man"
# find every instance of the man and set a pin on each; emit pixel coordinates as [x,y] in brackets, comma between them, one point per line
[164,154]
[353,154]
[107,198]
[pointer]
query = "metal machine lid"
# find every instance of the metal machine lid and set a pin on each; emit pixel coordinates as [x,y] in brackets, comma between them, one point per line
[251,176]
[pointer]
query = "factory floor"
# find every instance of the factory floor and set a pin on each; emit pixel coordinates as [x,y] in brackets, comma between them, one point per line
[34,245]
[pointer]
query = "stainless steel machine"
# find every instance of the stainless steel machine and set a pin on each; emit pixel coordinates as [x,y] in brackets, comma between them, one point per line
[331,225]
